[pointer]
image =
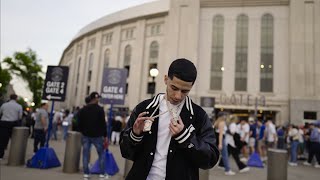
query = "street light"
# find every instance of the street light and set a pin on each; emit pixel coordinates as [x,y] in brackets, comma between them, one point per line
[153,73]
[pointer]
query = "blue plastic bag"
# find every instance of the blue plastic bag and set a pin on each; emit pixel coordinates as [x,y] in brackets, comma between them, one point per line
[255,161]
[111,167]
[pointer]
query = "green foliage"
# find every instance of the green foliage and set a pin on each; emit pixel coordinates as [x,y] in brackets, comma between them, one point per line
[22,103]
[26,65]
[5,79]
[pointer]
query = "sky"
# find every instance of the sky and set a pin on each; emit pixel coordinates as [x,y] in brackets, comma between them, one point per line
[48,26]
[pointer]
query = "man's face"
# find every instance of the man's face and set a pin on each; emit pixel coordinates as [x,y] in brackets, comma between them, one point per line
[177,89]
[45,107]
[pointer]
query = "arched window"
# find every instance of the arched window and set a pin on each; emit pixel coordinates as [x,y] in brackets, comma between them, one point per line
[153,55]
[106,58]
[154,52]
[241,67]
[266,63]
[217,53]
[90,65]
[127,58]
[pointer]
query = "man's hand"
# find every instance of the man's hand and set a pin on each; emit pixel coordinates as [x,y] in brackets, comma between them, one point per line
[139,123]
[176,127]
[220,146]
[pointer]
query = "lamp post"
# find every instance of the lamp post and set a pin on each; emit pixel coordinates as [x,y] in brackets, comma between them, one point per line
[153,73]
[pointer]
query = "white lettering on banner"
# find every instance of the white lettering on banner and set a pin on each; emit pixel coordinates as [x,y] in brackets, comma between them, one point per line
[110,89]
[112,96]
[53,84]
[55,87]
[52,90]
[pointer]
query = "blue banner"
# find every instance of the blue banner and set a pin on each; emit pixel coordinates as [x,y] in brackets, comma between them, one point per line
[113,87]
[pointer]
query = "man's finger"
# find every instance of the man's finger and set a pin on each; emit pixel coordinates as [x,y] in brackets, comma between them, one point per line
[142,114]
[174,126]
[144,118]
[172,130]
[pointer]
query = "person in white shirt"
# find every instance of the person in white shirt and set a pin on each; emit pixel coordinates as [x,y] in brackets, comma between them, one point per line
[244,130]
[66,123]
[10,114]
[233,146]
[293,135]
[270,135]
[220,128]
[57,118]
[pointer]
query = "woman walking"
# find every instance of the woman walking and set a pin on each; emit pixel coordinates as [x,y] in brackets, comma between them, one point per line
[220,129]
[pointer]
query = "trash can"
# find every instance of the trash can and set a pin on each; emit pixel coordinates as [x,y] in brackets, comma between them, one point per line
[127,166]
[203,174]
[18,147]
[72,152]
[277,164]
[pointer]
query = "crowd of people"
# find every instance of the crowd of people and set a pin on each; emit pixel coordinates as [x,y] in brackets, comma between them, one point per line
[243,137]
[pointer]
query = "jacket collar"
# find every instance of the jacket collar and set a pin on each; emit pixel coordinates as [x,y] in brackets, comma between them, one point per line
[156,100]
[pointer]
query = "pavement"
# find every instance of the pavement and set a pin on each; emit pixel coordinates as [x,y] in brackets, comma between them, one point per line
[300,172]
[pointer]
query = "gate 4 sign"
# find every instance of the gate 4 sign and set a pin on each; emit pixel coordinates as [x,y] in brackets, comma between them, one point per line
[55,85]
[113,89]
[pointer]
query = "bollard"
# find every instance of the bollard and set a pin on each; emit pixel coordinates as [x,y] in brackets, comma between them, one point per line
[18,147]
[127,166]
[277,164]
[72,152]
[203,174]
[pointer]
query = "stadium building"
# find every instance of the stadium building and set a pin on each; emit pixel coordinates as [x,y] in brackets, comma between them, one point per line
[254,57]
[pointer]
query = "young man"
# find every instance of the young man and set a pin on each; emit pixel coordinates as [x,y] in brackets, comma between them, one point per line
[180,139]
[11,114]
[270,134]
[92,125]
[40,126]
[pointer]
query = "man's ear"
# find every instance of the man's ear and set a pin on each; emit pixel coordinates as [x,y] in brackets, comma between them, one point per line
[166,79]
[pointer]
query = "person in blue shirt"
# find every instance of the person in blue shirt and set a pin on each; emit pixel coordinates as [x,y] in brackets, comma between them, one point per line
[281,138]
[260,137]
[253,135]
[314,145]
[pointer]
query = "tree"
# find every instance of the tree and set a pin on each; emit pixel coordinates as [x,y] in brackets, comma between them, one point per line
[21,101]
[26,65]
[5,79]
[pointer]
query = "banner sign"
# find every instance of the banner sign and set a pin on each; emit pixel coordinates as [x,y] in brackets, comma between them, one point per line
[113,89]
[55,85]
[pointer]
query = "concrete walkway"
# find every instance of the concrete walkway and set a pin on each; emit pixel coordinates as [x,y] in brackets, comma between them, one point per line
[22,173]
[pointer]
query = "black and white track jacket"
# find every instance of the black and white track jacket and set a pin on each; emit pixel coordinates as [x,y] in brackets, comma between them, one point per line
[193,148]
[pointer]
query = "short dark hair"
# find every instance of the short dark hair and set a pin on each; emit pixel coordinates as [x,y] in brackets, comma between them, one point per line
[42,104]
[13,97]
[183,69]
[87,100]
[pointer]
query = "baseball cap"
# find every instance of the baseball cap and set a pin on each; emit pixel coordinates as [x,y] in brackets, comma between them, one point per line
[94,95]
